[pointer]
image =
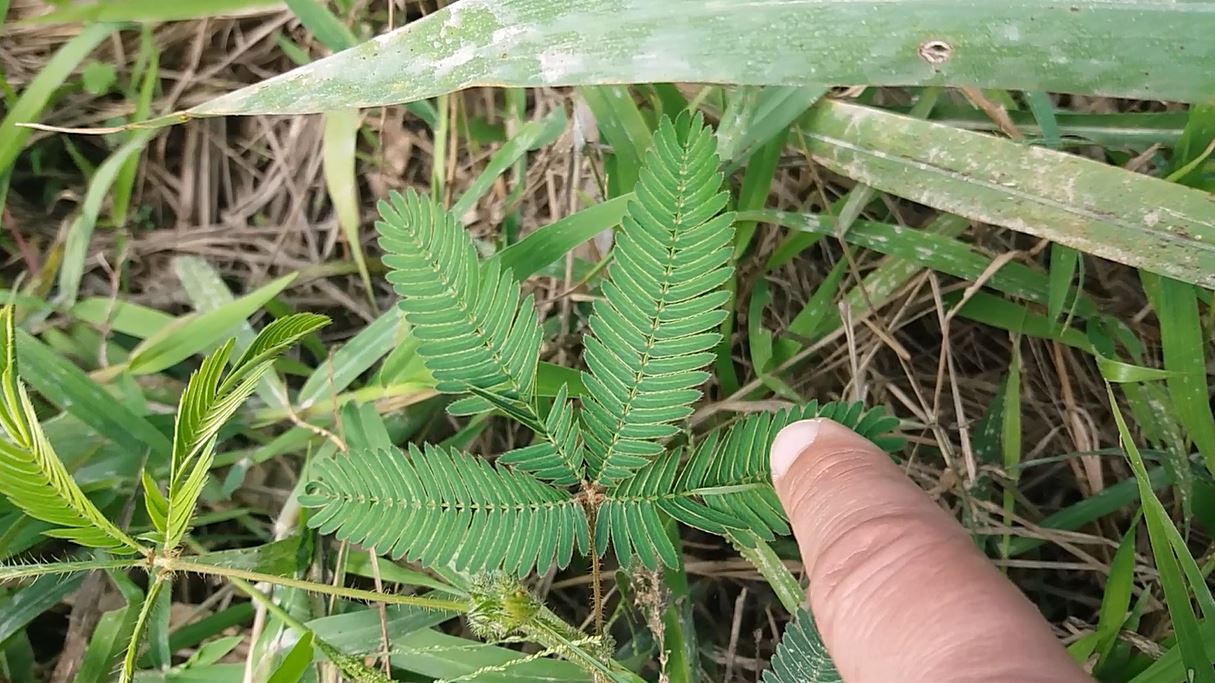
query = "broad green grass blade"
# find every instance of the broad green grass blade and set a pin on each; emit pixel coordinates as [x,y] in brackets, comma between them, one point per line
[532,135]
[23,606]
[149,11]
[112,631]
[80,233]
[196,333]
[1027,45]
[40,90]
[937,251]
[338,152]
[1099,209]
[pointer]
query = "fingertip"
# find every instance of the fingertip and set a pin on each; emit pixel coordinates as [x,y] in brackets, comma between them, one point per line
[791,442]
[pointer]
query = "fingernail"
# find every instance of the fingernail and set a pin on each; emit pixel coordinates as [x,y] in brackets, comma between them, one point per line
[791,442]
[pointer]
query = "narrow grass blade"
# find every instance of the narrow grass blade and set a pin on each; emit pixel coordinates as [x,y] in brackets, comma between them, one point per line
[208,292]
[1016,318]
[1117,372]
[196,333]
[123,317]
[1031,45]
[1116,599]
[1184,340]
[624,128]
[532,135]
[1172,577]
[337,148]
[1138,130]
[321,23]
[40,90]
[1063,264]
[1010,440]
[547,245]
[149,11]
[80,233]
[1075,516]
[295,663]
[67,386]
[1102,210]
[147,73]
[775,109]
[355,357]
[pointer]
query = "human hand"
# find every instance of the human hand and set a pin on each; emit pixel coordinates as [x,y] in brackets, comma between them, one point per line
[898,590]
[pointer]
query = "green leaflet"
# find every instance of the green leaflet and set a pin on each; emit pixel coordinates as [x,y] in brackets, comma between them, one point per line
[31,474]
[209,401]
[652,332]
[724,485]
[475,334]
[801,656]
[473,330]
[440,506]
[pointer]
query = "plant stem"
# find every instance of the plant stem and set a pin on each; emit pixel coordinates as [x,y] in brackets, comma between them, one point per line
[21,571]
[175,564]
[149,602]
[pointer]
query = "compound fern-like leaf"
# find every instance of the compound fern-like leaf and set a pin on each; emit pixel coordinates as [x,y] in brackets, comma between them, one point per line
[725,484]
[476,334]
[662,304]
[473,329]
[211,399]
[439,506]
[31,475]
[801,656]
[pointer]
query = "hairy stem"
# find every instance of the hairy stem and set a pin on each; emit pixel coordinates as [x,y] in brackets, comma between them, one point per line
[22,571]
[180,565]
[149,602]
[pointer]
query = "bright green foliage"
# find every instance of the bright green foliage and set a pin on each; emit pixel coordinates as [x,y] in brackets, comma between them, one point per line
[723,485]
[31,474]
[801,656]
[648,342]
[209,401]
[441,506]
[651,333]
[467,314]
